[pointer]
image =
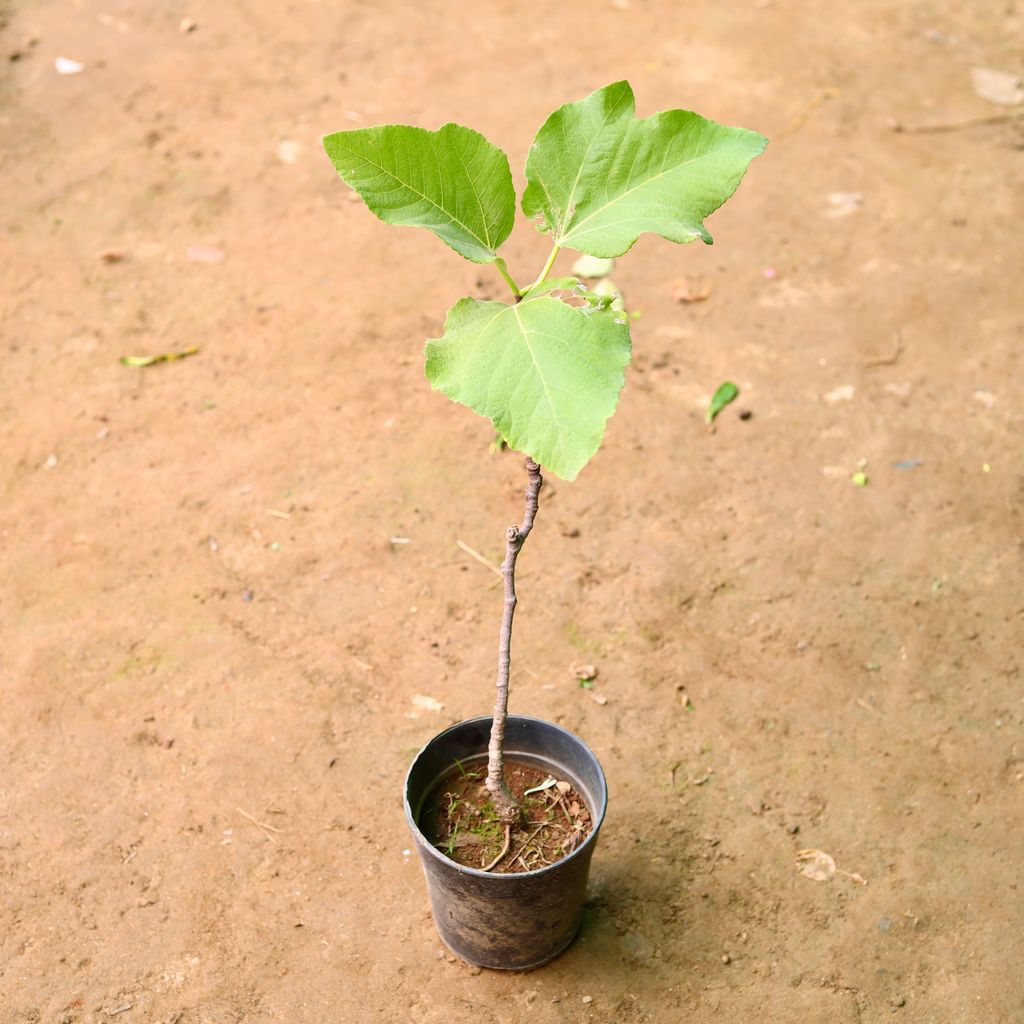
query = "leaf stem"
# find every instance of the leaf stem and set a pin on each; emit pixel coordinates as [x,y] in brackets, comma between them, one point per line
[503,270]
[547,269]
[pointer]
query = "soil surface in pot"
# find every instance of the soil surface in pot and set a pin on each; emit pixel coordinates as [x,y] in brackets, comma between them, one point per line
[460,819]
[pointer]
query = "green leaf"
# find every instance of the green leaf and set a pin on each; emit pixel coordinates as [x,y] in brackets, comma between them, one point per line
[452,182]
[599,177]
[725,394]
[608,292]
[547,374]
[555,284]
[598,298]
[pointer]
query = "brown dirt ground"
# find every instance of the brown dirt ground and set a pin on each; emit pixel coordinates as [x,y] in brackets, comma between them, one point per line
[147,705]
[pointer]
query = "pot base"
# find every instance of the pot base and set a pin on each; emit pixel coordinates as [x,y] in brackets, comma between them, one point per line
[513,922]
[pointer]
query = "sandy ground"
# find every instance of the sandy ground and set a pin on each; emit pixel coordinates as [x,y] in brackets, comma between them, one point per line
[177,660]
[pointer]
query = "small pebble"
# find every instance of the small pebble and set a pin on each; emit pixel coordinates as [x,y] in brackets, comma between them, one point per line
[793,828]
[726,959]
[247,596]
[745,414]
[588,999]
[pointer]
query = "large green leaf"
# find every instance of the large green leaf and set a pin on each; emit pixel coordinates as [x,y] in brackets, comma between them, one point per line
[600,177]
[547,374]
[452,182]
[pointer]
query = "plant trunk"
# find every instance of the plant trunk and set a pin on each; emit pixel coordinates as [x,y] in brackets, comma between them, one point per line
[515,537]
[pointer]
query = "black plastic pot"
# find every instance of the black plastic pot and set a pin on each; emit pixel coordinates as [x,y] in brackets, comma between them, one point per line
[508,922]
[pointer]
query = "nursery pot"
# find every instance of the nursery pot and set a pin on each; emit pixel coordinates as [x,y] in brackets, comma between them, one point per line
[509,922]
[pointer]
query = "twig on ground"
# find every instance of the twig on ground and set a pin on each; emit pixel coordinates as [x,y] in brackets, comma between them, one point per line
[529,839]
[954,126]
[867,707]
[801,119]
[480,558]
[261,825]
[558,803]
[853,876]
[890,360]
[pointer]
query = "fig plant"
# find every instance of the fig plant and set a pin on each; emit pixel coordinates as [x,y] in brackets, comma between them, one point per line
[547,367]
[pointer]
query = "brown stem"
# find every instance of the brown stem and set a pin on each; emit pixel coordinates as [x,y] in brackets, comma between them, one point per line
[515,537]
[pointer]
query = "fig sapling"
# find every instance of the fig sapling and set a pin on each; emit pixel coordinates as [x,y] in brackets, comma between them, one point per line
[547,367]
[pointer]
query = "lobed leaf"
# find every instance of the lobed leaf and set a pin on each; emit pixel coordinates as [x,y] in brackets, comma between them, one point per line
[599,177]
[452,182]
[547,374]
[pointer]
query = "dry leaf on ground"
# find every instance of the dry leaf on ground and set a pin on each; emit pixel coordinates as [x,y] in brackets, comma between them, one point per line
[1002,87]
[816,865]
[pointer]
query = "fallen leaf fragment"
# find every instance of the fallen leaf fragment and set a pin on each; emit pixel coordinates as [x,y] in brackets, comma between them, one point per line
[816,865]
[546,784]
[67,66]
[426,703]
[724,394]
[1001,87]
[163,357]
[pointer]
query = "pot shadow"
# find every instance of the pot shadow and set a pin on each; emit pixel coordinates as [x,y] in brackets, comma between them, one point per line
[641,921]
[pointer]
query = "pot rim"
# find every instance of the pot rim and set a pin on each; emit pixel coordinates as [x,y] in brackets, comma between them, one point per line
[425,844]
